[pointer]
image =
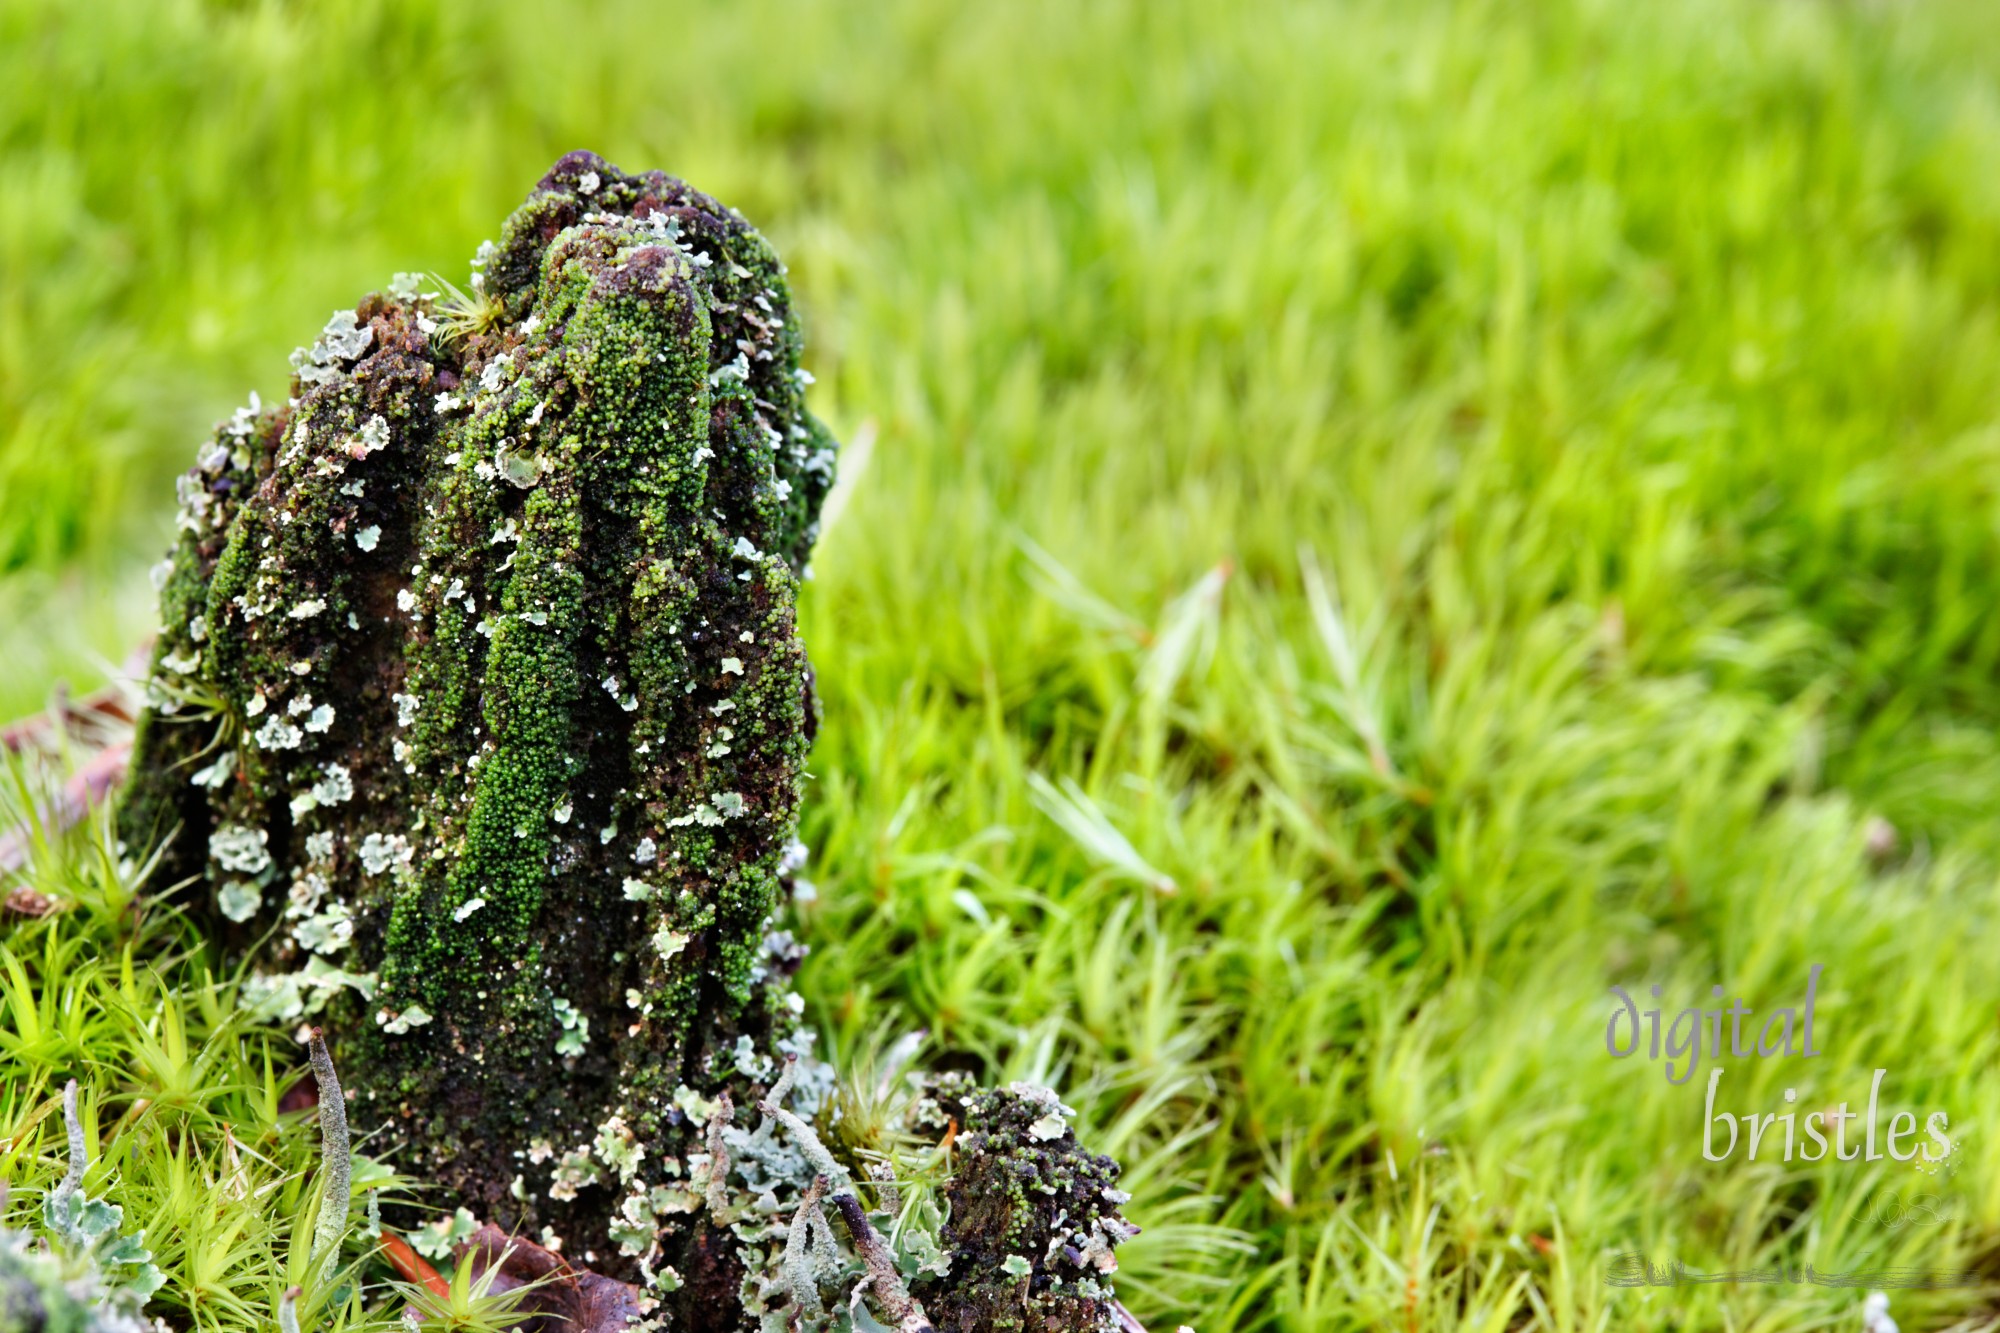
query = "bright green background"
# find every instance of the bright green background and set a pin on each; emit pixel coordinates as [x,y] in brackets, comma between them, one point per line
[1489,500]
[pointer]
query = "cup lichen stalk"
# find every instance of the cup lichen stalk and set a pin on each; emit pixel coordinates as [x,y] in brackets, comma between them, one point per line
[810,1224]
[717,1194]
[79,1160]
[805,1250]
[336,1167]
[809,1144]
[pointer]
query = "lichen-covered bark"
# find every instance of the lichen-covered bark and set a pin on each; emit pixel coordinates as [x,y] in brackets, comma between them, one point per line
[479,713]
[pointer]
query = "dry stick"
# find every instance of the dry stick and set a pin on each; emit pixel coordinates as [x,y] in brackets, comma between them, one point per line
[336,1189]
[105,716]
[718,1160]
[1128,1322]
[895,1298]
[288,1311]
[115,706]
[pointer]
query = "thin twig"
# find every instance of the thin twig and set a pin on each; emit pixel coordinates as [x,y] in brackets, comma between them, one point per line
[894,1297]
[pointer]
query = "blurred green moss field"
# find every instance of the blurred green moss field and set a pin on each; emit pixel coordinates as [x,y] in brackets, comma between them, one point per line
[1363,526]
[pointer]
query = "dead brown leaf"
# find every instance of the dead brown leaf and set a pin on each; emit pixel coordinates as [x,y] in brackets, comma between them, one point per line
[569,1300]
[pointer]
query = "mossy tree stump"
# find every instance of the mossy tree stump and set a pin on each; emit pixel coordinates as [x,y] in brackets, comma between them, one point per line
[480,714]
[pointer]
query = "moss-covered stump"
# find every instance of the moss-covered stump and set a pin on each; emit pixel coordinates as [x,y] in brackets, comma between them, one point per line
[1033,1220]
[479,716]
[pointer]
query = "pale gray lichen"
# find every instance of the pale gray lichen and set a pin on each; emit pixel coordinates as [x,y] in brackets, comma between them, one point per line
[239,899]
[336,784]
[408,1020]
[241,849]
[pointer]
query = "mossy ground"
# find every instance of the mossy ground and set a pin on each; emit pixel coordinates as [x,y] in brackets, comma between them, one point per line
[1628,370]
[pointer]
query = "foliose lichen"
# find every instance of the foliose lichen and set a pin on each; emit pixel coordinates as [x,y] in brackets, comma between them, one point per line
[45,1291]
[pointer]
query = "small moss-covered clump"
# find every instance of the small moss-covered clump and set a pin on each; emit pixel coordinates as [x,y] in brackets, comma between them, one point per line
[479,714]
[1033,1221]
